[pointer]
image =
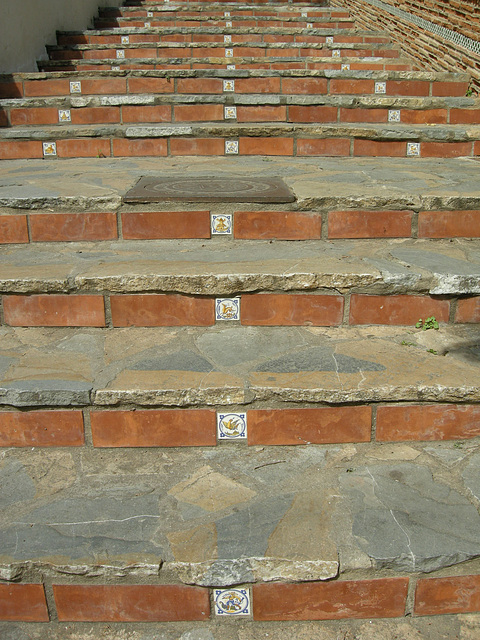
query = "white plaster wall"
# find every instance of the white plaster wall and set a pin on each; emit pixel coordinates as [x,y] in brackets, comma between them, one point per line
[26,26]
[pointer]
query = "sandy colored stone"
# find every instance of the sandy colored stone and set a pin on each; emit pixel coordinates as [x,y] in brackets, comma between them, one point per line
[194,545]
[211,491]
[396,452]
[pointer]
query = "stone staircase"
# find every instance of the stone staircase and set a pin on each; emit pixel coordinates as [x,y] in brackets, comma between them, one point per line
[238,388]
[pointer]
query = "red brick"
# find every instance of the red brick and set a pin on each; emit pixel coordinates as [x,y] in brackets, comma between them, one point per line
[325,425]
[476,148]
[198,112]
[323,147]
[13,229]
[154,428]
[83,148]
[250,52]
[199,85]
[41,429]
[11,90]
[440,596]
[14,149]
[312,114]
[95,115]
[128,147]
[465,116]
[131,603]
[54,311]
[307,86]
[292,52]
[427,422]
[23,602]
[383,598]
[447,89]
[150,85]
[468,310]
[446,149]
[379,148]
[266,146]
[197,146]
[291,309]
[396,310]
[141,53]
[165,224]
[449,224]
[161,310]
[59,87]
[363,115]
[257,85]
[104,86]
[424,116]
[407,88]
[283,225]
[262,114]
[369,224]
[71,227]
[33,115]
[90,54]
[3,118]
[350,86]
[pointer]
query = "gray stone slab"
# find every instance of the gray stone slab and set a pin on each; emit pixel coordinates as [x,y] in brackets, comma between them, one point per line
[471,475]
[405,520]
[232,188]
[186,360]
[318,359]
[16,485]
[24,393]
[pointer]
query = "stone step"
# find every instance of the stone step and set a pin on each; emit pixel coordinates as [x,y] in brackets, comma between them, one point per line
[154,108]
[195,19]
[302,533]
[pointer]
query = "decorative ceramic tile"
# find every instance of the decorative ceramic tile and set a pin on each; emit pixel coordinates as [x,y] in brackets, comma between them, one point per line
[232,426]
[380,87]
[227,39]
[304,14]
[75,86]
[120,53]
[230,66]
[345,67]
[221,225]
[147,24]
[227,309]
[230,112]
[336,53]
[49,148]
[231,147]
[232,602]
[115,68]
[228,24]
[413,149]
[125,39]
[64,115]
[229,85]
[229,53]
[149,14]
[394,115]
[227,14]
[329,39]
[309,25]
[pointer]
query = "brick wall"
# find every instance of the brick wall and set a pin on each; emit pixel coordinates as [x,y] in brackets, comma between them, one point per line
[429,49]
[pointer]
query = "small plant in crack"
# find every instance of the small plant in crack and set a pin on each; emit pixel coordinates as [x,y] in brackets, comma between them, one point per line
[428,323]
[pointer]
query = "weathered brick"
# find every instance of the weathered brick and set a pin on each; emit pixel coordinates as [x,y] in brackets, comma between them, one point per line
[307,86]
[165,428]
[83,148]
[427,422]
[199,85]
[396,309]
[382,598]
[449,224]
[54,310]
[33,115]
[325,425]
[262,113]
[323,147]
[131,603]
[446,149]
[130,147]
[349,86]
[369,224]
[165,224]
[198,112]
[379,148]
[291,309]
[465,116]
[266,146]
[312,114]
[167,310]
[282,225]
[13,229]
[197,146]
[150,85]
[441,596]
[468,310]
[41,429]
[53,87]
[23,602]
[18,149]
[71,227]
[257,85]
[363,115]
[95,115]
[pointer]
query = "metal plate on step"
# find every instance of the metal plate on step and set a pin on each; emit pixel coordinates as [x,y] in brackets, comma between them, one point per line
[209,189]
